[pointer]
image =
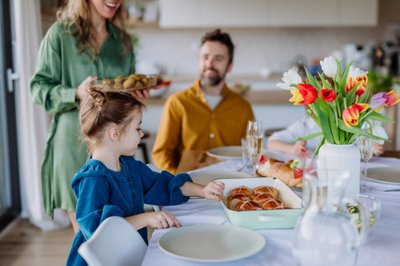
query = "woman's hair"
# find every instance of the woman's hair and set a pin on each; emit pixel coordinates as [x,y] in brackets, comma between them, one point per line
[77,12]
[100,108]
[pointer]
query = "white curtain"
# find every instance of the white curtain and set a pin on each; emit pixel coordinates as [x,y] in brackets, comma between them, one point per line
[32,120]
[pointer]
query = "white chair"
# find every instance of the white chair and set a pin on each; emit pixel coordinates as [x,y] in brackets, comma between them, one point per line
[114,243]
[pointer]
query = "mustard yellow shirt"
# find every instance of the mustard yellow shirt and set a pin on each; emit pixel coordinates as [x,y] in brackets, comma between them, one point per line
[188,123]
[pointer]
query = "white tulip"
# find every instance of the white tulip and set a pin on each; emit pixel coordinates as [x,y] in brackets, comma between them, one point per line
[290,77]
[355,72]
[329,66]
[379,131]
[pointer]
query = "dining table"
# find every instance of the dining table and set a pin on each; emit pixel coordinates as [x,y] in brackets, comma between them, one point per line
[381,247]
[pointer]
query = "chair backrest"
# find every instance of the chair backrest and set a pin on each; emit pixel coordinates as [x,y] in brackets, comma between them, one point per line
[114,243]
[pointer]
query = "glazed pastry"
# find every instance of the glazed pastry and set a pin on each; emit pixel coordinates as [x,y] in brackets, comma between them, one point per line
[261,197]
[272,204]
[247,205]
[233,199]
[241,190]
[266,189]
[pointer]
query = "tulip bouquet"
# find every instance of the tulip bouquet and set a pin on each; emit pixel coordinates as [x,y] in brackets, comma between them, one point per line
[339,102]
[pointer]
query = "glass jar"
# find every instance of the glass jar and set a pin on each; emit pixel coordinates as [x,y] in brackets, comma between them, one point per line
[324,235]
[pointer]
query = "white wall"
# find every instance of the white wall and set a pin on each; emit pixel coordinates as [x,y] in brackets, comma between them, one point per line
[256,48]
[177,50]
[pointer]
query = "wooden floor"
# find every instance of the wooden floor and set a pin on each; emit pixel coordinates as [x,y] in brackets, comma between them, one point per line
[26,244]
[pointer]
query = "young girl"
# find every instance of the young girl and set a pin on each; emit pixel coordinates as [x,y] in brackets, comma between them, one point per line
[112,183]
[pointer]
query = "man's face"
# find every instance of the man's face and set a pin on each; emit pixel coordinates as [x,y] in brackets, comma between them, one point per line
[213,63]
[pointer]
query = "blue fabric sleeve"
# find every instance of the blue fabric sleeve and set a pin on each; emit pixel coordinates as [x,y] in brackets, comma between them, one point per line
[92,204]
[162,188]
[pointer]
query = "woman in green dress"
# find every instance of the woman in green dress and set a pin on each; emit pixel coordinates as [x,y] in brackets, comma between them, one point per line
[88,41]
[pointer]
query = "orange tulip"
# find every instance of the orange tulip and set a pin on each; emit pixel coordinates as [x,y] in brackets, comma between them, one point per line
[362,84]
[350,116]
[392,98]
[361,107]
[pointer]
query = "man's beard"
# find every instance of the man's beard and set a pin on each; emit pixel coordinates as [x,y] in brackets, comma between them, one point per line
[213,80]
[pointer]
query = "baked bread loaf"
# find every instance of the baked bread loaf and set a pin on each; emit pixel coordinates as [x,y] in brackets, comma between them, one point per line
[261,197]
[281,170]
[241,190]
[233,199]
[272,204]
[247,205]
[266,189]
[243,198]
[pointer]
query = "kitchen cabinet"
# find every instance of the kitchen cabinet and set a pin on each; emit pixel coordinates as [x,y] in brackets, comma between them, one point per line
[267,13]
[206,13]
[366,12]
[302,13]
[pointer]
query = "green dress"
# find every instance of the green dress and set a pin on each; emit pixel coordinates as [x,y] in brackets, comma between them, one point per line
[60,69]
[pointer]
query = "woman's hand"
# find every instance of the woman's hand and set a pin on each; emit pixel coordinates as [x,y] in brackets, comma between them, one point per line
[82,89]
[161,219]
[213,190]
[141,94]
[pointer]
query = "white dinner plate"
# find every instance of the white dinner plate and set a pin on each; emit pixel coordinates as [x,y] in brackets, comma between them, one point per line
[387,175]
[211,243]
[205,176]
[226,153]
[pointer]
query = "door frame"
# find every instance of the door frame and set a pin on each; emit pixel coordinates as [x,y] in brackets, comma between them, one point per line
[7,54]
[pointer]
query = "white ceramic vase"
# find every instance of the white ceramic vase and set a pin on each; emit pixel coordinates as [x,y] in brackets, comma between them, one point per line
[343,157]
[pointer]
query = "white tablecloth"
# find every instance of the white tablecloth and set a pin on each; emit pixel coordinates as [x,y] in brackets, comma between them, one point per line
[382,247]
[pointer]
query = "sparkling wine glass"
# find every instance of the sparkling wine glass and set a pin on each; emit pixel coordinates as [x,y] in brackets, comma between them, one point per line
[366,152]
[255,136]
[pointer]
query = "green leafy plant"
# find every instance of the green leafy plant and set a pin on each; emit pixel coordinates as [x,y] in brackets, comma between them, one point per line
[339,101]
[379,82]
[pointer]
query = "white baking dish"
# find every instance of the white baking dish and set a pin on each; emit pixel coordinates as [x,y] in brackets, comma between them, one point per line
[264,219]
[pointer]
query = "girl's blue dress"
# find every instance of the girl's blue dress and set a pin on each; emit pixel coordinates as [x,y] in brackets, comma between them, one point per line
[102,193]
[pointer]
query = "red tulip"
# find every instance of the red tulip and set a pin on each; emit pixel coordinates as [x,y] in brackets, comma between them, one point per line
[328,95]
[308,92]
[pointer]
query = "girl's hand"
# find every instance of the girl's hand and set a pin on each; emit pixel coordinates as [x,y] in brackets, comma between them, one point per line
[299,147]
[82,89]
[213,190]
[162,219]
[377,148]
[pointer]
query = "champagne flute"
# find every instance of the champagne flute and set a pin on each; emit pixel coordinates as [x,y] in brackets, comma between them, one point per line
[366,152]
[254,136]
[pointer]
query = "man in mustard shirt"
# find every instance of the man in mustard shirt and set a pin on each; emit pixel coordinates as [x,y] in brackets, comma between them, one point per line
[207,114]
